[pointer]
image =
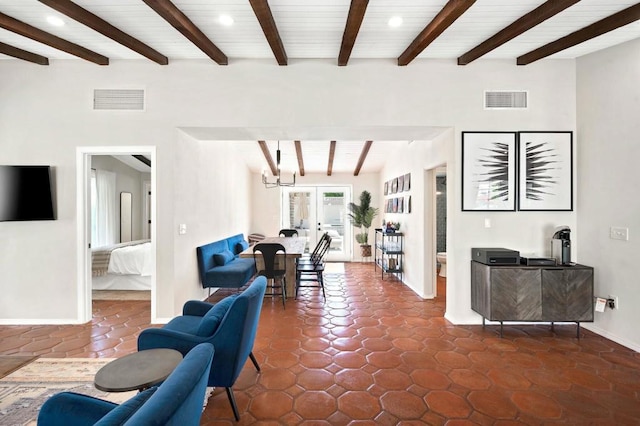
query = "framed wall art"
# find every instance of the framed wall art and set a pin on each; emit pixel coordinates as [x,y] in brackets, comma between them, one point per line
[545,176]
[407,182]
[394,185]
[489,171]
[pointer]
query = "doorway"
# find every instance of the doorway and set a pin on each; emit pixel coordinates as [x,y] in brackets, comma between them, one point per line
[83,209]
[440,227]
[314,210]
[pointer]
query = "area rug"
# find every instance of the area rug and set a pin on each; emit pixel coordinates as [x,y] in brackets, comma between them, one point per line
[23,392]
[121,294]
[10,363]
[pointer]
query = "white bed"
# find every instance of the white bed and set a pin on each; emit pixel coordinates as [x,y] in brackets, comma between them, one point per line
[125,266]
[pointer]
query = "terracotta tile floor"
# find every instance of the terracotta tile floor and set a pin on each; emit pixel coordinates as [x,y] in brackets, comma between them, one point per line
[375,353]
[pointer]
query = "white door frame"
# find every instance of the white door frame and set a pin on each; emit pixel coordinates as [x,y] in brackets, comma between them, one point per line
[83,210]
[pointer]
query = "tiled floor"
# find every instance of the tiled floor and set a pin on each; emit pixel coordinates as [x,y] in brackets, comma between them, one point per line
[375,353]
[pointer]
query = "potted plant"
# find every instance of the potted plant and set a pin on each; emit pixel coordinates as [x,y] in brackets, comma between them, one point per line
[361,217]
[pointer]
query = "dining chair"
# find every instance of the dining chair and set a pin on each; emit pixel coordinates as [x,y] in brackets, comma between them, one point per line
[313,270]
[288,233]
[307,258]
[274,263]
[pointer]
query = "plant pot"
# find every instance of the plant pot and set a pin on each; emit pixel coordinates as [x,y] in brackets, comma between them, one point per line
[365,250]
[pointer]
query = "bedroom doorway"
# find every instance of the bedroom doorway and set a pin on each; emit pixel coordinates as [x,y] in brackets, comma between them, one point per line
[108,267]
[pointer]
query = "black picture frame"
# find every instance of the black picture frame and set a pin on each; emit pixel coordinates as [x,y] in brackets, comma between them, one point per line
[545,172]
[489,171]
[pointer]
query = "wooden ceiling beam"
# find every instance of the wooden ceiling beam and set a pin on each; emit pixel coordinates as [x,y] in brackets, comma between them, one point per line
[447,16]
[351,29]
[299,155]
[267,156]
[615,21]
[265,18]
[332,154]
[525,23]
[98,24]
[363,156]
[26,30]
[174,16]
[23,54]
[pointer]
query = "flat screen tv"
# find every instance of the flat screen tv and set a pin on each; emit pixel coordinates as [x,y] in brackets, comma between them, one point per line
[25,193]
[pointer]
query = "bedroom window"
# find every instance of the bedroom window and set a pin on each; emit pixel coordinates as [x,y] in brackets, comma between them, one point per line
[103,208]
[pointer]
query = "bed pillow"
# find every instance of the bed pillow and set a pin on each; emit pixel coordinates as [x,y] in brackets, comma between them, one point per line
[241,246]
[211,320]
[223,257]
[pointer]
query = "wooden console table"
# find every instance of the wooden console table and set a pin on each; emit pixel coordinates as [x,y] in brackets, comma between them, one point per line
[532,293]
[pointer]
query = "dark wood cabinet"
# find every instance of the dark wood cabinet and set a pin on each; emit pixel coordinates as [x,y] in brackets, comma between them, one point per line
[532,293]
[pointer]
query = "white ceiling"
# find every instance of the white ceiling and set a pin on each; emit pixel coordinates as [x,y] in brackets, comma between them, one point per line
[313,29]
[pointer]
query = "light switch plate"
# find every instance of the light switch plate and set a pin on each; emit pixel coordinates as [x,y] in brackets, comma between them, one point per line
[182,229]
[618,233]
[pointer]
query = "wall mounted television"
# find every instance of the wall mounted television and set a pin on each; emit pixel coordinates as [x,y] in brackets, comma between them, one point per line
[25,193]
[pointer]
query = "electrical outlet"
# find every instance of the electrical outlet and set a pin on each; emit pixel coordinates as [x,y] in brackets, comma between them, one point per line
[613,300]
[618,233]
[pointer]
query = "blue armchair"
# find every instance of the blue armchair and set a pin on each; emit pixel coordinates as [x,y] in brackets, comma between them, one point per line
[230,325]
[177,401]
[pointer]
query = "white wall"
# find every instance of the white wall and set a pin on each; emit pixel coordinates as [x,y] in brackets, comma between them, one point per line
[45,112]
[608,99]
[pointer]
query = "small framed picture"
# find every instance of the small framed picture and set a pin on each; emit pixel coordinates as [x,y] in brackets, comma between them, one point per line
[400,183]
[386,187]
[407,182]
[394,185]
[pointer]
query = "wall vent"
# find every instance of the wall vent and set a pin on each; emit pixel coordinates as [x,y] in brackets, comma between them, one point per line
[506,99]
[118,99]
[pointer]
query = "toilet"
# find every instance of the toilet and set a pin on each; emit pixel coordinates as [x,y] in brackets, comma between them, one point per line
[441,257]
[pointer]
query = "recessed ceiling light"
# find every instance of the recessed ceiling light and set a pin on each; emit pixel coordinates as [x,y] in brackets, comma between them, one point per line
[226,20]
[55,21]
[395,21]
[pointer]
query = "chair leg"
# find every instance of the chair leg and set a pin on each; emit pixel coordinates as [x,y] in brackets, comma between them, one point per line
[321,282]
[254,360]
[232,400]
[283,290]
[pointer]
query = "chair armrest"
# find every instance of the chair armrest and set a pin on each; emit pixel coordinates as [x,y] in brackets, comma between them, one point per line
[196,308]
[73,409]
[154,338]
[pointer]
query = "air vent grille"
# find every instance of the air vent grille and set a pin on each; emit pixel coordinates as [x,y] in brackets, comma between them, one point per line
[505,99]
[118,99]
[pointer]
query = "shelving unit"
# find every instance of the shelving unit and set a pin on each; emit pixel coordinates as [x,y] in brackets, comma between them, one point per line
[389,252]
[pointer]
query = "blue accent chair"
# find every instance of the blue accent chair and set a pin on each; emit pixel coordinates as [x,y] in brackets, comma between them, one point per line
[176,401]
[230,325]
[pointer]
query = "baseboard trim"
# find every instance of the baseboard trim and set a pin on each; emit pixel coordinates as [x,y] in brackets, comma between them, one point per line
[39,321]
[604,333]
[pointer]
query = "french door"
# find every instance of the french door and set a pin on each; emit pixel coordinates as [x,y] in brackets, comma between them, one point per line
[314,210]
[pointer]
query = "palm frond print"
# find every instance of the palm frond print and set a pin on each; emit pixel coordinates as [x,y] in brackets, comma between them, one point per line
[541,162]
[496,170]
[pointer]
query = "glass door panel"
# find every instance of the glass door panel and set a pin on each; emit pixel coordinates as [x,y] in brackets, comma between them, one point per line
[315,210]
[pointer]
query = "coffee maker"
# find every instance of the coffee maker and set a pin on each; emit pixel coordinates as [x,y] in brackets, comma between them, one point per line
[561,245]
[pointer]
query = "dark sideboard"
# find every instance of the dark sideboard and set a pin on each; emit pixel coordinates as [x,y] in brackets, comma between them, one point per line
[532,293]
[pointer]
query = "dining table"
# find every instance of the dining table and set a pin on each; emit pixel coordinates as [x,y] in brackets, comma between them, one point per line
[294,247]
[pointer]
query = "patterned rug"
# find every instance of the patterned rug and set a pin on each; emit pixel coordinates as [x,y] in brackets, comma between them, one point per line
[10,363]
[23,392]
